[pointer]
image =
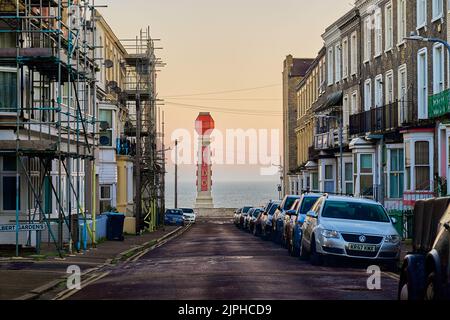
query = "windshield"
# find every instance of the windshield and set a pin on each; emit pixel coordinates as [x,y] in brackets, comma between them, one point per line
[289,202]
[246,209]
[175,212]
[354,211]
[188,210]
[273,208]
[307,204]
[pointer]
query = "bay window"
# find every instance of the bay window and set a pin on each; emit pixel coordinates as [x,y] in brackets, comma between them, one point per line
[348,178]
[329,179]
[366,175]
[419,161]
[396,173]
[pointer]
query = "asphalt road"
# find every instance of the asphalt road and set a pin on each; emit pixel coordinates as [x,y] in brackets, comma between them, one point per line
[217,261]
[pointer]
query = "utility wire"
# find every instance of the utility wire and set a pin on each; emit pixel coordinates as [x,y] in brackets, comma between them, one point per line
[225,99]
[250,112]
[222,92]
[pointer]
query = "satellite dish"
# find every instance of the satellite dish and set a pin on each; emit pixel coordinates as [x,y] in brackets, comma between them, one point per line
[105,141]
[109,64]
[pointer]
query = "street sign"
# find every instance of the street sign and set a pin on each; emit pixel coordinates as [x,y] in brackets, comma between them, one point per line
[23,227]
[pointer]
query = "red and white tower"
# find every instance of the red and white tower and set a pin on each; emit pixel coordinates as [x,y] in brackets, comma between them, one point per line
[204,125]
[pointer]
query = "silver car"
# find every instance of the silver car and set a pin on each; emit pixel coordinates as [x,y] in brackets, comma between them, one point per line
[349,227]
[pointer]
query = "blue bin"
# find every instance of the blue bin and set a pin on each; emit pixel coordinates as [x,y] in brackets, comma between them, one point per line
[114,228]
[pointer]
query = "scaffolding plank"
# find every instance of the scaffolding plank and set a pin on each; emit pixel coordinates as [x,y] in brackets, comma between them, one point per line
[28,146]
[26,53]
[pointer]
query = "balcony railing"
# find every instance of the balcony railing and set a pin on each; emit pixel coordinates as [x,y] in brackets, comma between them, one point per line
[383,119]
[329,140]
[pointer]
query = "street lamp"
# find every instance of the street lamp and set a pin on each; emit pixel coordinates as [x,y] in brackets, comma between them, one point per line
[340,122]
[415,37]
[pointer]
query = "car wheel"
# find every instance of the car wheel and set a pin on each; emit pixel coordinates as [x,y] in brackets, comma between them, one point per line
[432,288]
[316,258]
[412,281]
[303,253]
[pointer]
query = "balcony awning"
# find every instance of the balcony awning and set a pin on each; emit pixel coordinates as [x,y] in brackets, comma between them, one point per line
[334,99]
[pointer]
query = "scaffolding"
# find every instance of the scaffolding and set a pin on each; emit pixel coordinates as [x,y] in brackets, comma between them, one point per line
[50,48]
[142,128]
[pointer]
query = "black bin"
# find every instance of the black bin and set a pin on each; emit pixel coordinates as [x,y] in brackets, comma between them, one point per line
[114,227]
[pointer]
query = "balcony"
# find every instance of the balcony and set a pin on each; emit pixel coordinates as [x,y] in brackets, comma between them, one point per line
[329,140]
[383,119]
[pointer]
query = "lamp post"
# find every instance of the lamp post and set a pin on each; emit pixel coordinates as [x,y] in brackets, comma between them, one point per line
[415,37]
[340,122]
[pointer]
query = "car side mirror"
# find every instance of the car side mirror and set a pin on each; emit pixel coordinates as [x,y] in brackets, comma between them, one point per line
[311,214]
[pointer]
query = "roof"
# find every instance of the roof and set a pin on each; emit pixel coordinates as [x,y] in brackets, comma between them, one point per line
[300,67]
[358,200]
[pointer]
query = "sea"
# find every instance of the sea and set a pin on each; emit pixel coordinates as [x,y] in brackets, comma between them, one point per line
[226,194]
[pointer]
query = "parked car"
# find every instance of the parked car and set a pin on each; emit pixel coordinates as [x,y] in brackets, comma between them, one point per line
[189,215]
[266,220]
[348,227]
[425,274]
[243,215]
[289,215]
[237,217]
[253,217]
[247,218]
[278,217]
[174,217]
[294,225]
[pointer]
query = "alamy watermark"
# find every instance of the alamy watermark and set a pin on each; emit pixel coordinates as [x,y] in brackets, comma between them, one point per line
[74,278]
[259,147]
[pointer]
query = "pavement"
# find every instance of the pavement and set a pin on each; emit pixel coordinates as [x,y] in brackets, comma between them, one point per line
[28,278]
[213,260]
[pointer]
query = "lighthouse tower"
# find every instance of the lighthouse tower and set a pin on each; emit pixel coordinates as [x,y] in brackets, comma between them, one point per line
[204,125]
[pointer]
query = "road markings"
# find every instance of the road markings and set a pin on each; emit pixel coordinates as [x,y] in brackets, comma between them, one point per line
[392,275]
[68,293]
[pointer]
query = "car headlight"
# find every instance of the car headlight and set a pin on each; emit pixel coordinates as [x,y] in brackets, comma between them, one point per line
[331,234]
[392,239]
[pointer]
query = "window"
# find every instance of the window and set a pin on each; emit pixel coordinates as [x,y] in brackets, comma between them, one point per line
[402,94]
[378,33]
[396,173]
[418,164]
[378,91]
[106,116]
[354,53]
[8,181]
[422,83]
[330,69]
[348,178]
[421,13]
[367,39]
[366,174]
[338,64]
[346,110]
[315,181]
[345,58]
[329,179]
[105,198]
[422,165]
[438,9]
[389,29]
[438,68]
[8,90]
[389,87]
[401,21]
[368,95]
[354,103]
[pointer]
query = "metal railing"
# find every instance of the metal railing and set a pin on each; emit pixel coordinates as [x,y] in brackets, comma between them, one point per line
[329,140]
[384,119]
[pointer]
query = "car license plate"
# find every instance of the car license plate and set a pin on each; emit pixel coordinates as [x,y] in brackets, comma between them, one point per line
[362,247]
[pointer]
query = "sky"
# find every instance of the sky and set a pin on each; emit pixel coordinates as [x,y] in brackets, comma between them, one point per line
[213,46]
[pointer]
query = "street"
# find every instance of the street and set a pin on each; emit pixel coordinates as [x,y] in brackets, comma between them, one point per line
[216,261]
